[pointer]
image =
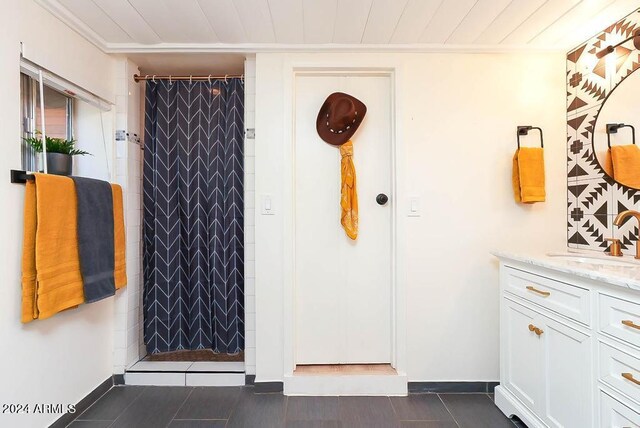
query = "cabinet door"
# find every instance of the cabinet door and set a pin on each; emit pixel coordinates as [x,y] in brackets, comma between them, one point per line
[568,376]
[521,357]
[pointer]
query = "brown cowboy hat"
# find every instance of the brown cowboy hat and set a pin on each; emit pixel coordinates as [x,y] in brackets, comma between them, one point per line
[339,118]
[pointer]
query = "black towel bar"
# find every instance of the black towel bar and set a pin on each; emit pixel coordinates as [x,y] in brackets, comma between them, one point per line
[20,177]
[612,128]
[524,130]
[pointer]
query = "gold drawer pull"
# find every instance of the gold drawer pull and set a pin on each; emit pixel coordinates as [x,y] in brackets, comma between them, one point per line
[629,377]
[535,290]
[535,329]
[631,324]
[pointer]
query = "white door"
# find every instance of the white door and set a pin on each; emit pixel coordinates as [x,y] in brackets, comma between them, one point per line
[343,287]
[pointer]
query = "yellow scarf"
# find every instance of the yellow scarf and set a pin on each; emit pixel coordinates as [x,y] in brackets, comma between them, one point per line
[348,194]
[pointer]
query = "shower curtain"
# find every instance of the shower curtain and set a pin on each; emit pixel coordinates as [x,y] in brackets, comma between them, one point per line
[193,216]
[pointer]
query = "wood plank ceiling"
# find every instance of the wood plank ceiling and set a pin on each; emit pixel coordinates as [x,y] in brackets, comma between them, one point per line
[134,24]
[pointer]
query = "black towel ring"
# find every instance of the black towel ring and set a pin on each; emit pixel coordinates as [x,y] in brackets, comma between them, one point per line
[612,128]
[524,130]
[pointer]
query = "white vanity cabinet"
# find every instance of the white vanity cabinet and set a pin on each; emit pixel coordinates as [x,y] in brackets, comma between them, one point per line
[569,347]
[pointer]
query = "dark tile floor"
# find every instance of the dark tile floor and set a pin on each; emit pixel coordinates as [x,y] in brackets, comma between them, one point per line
[200,407]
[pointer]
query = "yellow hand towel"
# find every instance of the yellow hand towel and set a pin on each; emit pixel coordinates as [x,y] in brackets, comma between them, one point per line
[528,175]
[626,165]
[120,267]
[348,192]
[608,163]
[51,227]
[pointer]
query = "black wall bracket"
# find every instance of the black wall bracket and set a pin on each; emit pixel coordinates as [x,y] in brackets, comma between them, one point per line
[612,128]
[20,177]
[524,130]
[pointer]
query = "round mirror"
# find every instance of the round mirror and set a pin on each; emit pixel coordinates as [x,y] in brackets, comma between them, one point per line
[615,126]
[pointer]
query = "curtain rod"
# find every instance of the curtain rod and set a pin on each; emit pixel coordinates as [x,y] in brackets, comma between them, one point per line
[138,78]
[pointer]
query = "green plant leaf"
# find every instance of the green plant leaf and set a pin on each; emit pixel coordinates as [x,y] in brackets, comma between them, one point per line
[55,145]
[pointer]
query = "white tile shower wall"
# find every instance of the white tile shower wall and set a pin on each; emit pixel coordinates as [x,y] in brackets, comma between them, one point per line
[249,217]
[128,337]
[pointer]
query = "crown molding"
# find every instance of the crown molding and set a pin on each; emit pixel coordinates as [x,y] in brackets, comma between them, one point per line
[251,48]
[63,14]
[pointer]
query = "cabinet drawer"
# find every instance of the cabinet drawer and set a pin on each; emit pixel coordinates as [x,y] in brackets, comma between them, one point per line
[620,371]
[613,413]
[566,299]
[620,319]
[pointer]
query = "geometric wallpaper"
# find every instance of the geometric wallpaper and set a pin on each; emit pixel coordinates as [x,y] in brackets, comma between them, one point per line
[594,198]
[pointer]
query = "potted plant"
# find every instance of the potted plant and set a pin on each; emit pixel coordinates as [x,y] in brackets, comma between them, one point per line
[60,154]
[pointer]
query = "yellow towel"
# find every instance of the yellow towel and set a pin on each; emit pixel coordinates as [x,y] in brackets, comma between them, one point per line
[51,278]
[626,165]
[608,163]
[29,312]
[120,267]
[348,192]
[528,175]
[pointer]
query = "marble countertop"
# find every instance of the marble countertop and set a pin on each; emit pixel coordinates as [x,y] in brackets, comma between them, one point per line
[583,264]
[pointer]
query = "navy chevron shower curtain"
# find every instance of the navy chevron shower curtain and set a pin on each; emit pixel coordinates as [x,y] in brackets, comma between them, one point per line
[193,216]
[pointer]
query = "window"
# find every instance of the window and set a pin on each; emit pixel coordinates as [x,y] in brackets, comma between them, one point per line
[58,112]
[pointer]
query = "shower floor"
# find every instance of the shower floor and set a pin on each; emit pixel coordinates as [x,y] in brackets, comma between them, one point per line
[199,355]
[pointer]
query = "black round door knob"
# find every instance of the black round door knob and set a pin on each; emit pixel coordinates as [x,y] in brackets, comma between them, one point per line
[382,199]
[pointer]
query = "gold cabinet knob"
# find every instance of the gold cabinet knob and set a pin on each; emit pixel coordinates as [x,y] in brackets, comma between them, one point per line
[535,329]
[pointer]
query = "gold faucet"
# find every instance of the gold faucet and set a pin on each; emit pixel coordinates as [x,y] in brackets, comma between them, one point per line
[621,217]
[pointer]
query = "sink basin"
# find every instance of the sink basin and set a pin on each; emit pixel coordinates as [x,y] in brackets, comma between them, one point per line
[596,260]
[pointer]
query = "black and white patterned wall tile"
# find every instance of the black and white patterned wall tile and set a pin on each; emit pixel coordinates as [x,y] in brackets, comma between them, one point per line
[593,198]
[627,233]
[572,229]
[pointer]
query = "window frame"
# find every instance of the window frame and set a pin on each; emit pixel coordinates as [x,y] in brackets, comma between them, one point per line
[29,88]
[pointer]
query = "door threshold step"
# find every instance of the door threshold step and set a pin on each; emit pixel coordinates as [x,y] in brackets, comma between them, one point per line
[187,366]
[184,378]
[186,373]
[346,384]
[344,369]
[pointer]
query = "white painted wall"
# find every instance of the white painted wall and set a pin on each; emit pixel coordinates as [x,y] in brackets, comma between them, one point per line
[61,359]
[457,115]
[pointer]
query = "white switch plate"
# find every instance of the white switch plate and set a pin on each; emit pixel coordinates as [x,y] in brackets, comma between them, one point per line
[414,207]
[267,207]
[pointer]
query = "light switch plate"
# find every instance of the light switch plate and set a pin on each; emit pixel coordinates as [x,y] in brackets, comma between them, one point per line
[414,207]
[266,206]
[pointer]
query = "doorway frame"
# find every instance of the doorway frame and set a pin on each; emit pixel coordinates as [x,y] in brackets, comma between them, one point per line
[345,66]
